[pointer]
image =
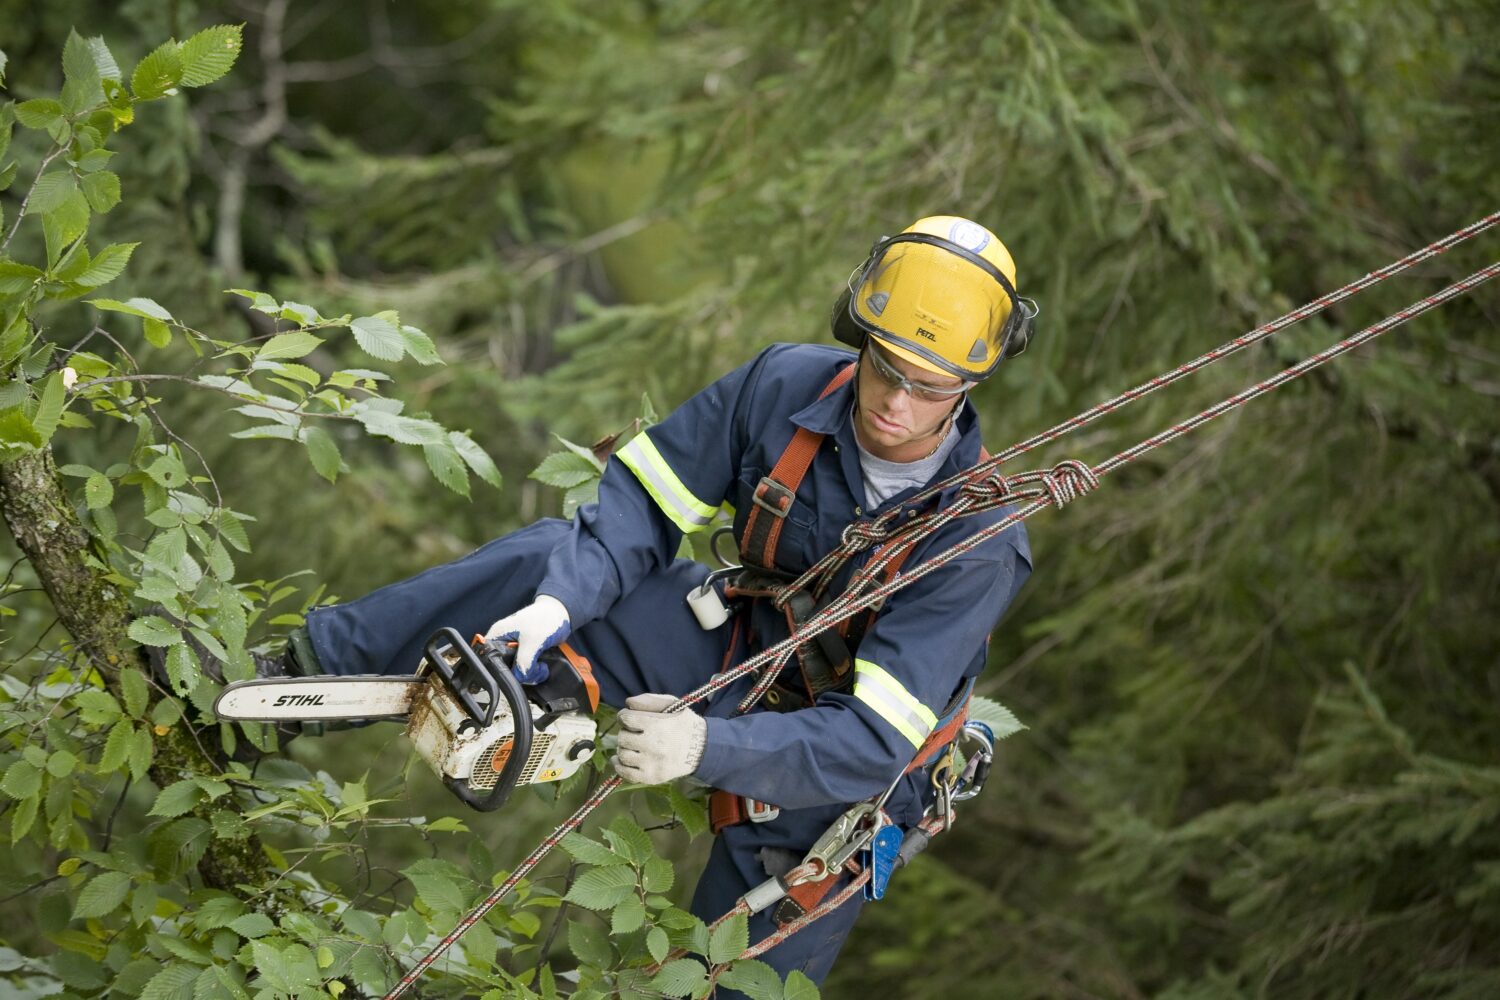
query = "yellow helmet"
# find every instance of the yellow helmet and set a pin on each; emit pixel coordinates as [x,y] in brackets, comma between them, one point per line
[941,295]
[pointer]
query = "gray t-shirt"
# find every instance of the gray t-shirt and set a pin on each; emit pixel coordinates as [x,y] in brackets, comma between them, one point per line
[884,480]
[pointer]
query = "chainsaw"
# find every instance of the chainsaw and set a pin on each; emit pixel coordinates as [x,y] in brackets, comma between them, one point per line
[468,716]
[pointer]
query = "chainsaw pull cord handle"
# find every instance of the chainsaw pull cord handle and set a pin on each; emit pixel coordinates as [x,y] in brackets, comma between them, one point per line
[487,666]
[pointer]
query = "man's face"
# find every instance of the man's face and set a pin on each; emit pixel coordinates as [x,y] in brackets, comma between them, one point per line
[896,423]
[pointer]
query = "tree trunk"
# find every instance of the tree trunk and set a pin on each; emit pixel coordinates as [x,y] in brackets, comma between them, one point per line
[97,615]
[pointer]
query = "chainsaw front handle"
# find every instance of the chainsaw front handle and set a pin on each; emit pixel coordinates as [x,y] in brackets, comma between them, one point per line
[484,666]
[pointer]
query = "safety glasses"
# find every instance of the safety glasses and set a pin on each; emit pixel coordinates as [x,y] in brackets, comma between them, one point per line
[889,376]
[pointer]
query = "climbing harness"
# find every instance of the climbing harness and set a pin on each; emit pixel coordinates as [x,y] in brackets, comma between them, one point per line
[981,488]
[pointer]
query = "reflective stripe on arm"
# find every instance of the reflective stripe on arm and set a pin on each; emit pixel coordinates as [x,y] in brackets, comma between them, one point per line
[675,500]
[892,702]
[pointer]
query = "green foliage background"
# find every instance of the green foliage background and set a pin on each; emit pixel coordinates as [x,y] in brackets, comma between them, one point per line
[1259,668]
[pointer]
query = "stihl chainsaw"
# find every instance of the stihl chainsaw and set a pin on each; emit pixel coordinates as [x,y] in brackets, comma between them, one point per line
[467,715]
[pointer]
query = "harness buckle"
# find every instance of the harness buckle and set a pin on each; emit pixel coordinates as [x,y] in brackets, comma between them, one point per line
[773,497]
[757,811]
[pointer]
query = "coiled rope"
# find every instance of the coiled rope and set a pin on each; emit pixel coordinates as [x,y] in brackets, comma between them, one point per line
[981,489]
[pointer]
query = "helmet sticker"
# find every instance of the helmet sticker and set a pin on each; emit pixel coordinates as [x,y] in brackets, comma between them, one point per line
[876,302]
[968,235]
[979,351]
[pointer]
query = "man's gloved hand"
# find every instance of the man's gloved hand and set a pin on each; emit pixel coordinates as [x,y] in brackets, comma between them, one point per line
[656,747]
[539,626]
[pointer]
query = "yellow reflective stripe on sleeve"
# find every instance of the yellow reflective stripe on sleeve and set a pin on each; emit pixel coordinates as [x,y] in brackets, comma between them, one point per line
[892,702]
[675,500]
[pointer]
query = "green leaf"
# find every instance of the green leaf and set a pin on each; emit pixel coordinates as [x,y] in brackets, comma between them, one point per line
[657,944]
[658,875]
[97,707]
[145,308]
[49,407]
[104,60]
[17,434]
[177,798]
[323,451]
[447,465]
[98,491]
[755,979]
[603,888]
[628,916]
[437,885]
[729,940]
[1001,720]
[142,750]
[158,73]
[182,669]
[209,54]
[627,838]
[158,334]
[799,987]
[175,982]
[153,630]
[61,763]
[564,470]
[475,457]
[24,818]
[51,191]
[40,113]
[80,75]
[116,746]
[16,278]
[290,345]
[589,945]
[299,313]
[420,346]
[378,336]
[589,851]
[405,430]
[252,925]
[136,691]
[102,895]
[64,224]
[22,780]
[690,812]
[94,159]
[107,265]
[680,977]
[102,189]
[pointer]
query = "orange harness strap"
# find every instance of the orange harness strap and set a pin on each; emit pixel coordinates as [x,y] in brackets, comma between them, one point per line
[775,492]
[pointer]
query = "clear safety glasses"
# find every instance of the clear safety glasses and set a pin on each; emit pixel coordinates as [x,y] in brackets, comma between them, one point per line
[889,376]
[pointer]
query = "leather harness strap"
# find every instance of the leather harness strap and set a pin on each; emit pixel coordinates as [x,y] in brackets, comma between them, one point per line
[775,492]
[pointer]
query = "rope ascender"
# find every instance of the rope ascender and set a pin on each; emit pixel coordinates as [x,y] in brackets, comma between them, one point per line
[980,489]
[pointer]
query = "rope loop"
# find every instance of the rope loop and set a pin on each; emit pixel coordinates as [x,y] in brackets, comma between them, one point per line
[1068,480]
[860,535]
[990,486]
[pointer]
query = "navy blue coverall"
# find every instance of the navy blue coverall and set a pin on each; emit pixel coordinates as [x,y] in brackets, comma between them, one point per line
[613,568]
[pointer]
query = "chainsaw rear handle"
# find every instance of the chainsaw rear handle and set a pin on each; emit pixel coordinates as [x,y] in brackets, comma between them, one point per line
[485,666]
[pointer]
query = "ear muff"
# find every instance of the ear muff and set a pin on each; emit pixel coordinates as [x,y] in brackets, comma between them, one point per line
[844,329]
[1022,328]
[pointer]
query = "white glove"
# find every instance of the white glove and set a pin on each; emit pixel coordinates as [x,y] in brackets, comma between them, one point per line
[655,746]
[537,627]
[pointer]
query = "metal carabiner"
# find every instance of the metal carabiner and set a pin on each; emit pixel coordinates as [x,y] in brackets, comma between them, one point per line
[976,762]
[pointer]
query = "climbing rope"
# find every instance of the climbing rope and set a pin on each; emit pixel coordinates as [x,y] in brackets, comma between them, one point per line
[981,489]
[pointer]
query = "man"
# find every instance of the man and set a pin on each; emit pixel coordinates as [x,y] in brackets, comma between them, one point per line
[933,312]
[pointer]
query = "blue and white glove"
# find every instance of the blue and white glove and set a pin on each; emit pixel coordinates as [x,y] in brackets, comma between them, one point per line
[537,627]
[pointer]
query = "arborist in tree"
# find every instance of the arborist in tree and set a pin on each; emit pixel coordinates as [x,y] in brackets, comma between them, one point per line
[799,443]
